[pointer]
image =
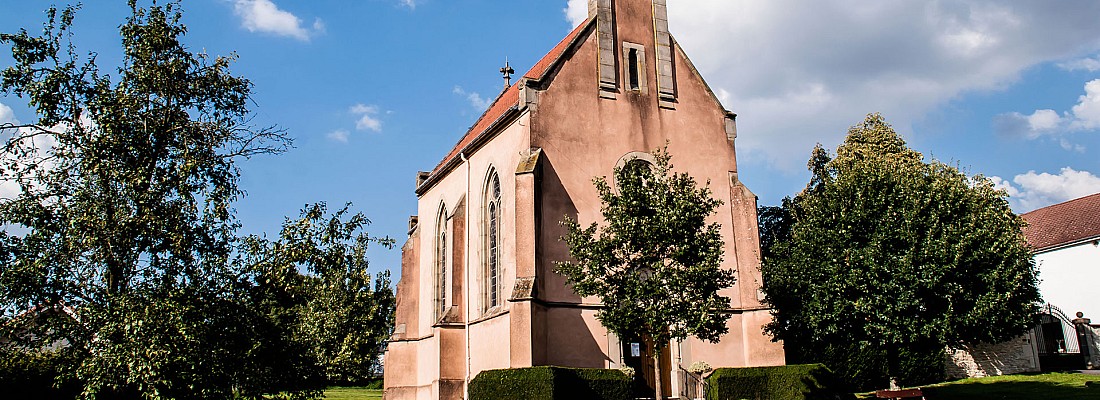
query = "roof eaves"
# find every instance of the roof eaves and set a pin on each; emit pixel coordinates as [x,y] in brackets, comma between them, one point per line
[478,141]
[543,69]
[1059,246]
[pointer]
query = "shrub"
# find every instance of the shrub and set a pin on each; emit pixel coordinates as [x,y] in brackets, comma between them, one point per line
[921,364]
[33,375]
[551,383]
[375,384]
[860,365]
[791,382]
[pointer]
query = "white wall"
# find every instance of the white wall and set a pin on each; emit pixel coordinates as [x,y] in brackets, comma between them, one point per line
[1070,279]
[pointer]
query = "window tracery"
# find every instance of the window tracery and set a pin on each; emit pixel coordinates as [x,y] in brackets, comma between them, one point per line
[492,273]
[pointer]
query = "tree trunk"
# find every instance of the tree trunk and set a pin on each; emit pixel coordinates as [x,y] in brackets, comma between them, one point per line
[893,365]
[657,371]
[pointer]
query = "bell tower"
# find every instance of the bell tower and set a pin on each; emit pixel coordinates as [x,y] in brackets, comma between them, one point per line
[635,49]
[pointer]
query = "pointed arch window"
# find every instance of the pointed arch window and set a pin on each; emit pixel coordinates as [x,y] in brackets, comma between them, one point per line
[493,274]
[440,280]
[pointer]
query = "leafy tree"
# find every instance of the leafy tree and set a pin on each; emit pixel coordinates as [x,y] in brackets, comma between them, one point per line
[125,211]
[885,260]
[656,263]
[314,281]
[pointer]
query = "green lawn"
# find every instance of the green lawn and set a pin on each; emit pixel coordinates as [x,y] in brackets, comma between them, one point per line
[352,393]
[1051,386]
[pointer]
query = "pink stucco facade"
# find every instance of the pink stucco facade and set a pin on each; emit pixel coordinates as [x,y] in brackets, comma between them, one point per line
[573,117]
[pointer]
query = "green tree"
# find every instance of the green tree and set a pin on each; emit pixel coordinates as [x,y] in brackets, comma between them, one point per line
[314,281]
[125,212]
[885,260]
[655,264]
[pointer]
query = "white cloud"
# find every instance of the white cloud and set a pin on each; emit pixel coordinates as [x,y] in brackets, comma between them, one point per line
[411,4]
[1085,116]
[8,188]
[265,16]
[1083,64]
[1087,110]
[799,72]
[1044,120]
[1039,123]
[36,147]
[1067,145]
[576,12]
[1000,183]
[339,135]
[7,115]
[475,99]
[1036,190]
[367,117]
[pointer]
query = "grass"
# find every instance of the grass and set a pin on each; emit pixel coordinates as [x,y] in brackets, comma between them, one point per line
[352,393]
[1049,386]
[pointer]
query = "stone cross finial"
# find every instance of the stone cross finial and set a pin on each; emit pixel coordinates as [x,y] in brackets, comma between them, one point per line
[507,71]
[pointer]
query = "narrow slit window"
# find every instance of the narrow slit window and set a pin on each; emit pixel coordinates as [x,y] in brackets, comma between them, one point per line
[632,69]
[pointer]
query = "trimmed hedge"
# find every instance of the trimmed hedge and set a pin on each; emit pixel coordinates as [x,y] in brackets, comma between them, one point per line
[791,382]
[551,383]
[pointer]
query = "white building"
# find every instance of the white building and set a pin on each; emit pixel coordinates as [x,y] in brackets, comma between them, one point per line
[1066,239]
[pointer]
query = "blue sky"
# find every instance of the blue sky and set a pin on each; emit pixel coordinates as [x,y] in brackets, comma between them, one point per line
[375,90]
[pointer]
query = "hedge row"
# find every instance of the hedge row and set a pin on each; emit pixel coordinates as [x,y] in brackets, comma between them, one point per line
[551,383]
[791,382]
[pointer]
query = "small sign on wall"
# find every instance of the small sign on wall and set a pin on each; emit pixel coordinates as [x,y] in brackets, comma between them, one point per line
[635,349]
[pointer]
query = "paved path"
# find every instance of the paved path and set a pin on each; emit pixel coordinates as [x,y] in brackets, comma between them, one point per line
[1090,371]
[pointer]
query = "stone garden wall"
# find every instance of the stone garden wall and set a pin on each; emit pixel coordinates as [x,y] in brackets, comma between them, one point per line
[1012,357]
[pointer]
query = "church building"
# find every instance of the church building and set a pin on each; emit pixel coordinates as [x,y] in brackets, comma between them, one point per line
[478,288]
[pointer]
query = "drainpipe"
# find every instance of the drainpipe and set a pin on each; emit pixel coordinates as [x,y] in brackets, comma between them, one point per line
[466,285]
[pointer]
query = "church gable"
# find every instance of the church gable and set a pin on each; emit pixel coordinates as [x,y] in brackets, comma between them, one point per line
[634,54]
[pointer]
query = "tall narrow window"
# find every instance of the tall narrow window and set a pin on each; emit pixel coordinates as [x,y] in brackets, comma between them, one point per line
[632,68]
[441,265]
[492,241]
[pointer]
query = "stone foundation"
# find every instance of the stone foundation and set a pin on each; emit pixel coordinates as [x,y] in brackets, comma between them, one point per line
[1011,357]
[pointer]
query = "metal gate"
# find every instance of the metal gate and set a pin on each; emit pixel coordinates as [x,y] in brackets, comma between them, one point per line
[692,386]
[1057,340]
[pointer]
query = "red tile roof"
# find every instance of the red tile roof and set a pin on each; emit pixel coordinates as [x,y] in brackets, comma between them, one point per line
[543,66]
[1063,223]
[510,97]
[506,100]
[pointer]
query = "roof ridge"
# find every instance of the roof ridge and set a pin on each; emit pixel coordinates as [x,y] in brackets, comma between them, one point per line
[1063,203]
